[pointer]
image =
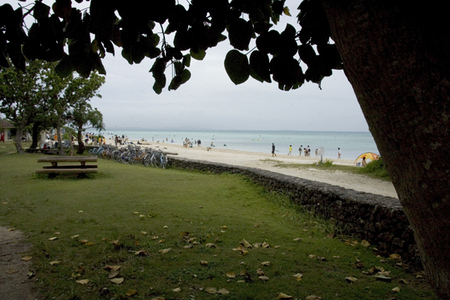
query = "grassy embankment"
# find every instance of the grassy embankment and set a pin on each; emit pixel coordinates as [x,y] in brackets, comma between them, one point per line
[131,232]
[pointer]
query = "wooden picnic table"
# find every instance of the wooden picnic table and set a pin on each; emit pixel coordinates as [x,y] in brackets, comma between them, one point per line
[53,169]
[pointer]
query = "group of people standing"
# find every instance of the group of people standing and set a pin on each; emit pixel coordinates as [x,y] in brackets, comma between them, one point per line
[306,150]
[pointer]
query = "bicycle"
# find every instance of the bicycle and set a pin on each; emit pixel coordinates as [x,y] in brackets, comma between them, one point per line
[159,159]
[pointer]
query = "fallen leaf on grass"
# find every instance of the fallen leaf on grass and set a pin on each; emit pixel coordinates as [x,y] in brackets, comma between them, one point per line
[396,290]
[55,262]
[351,243]
[113,274]
[112,268]
[241,249]
[142,253]
[265,245]
[82,281]
[11,271]
[158,298]
[395,256]
[83,241]
[177,290]
[297,240]
[204,262]
[231,274]
[365,243]
[130,293]
[298,276]
[383,278]
[75,236]
[11,229]
[246,244]
[210,245]
[165,251]
[313,297]
[284,296]
[53,238]
[263,278]
[259,272]
[265,263]
[223,292]
[117,280]
[27,258]
[211,290]
[351,279]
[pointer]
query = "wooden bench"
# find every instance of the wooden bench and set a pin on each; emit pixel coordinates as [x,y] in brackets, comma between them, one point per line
[72,168]
[49,151]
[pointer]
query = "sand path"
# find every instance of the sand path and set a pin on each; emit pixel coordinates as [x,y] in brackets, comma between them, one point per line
[267,162]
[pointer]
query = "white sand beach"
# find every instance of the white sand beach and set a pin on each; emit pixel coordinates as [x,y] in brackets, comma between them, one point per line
[267,162]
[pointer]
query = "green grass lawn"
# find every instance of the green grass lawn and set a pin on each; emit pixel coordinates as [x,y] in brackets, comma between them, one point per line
[131,232]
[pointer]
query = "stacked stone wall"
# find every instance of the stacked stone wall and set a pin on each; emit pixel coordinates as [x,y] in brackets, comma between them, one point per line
[375,218]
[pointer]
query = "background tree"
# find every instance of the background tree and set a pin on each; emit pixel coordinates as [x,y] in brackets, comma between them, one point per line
[19,100]
[394,53]
[39,99]
[85,117]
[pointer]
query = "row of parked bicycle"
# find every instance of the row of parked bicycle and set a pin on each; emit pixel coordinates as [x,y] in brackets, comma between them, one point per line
[133,154]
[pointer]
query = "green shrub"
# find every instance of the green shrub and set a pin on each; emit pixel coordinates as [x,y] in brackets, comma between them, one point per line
[376,168]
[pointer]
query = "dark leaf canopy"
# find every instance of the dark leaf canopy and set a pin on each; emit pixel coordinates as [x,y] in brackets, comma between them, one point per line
[170,34]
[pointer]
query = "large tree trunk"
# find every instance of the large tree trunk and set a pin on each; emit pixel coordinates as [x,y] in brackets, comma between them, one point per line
[60,145]
[397,60]
[35,135]
[80,141]
[18,140]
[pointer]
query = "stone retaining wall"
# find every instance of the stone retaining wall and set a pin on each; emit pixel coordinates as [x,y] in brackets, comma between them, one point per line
[375,218]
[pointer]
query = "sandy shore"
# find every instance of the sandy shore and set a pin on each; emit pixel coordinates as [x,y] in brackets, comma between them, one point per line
[267,162]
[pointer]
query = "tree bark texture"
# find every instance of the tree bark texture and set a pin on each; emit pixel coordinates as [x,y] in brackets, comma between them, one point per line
[18,140]
[396,55]
[80,142]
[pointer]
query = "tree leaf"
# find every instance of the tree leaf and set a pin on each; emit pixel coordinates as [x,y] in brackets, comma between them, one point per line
[117,280]
[223,292]
[130,293]
[284,296]
[259,66]
[237,67]
[82,281]
[240,33]
[199,55]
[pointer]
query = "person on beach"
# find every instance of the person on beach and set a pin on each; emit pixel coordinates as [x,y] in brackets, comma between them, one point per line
[199,143]
[290,150]
[300,150]
[273,150]
[339,153]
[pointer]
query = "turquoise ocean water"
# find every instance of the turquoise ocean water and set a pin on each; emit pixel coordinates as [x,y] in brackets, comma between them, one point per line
[352,144]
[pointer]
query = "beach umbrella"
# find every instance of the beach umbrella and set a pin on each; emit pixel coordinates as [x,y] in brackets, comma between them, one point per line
[370,156]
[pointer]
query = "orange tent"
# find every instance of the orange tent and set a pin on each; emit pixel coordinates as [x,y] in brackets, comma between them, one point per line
[370,156]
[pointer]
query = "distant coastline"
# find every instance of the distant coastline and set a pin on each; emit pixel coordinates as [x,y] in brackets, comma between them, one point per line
[352,143]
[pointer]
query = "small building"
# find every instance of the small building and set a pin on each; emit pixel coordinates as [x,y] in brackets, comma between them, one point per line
[5,126]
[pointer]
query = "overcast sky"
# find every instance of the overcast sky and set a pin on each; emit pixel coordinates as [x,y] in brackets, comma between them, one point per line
[209,100]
